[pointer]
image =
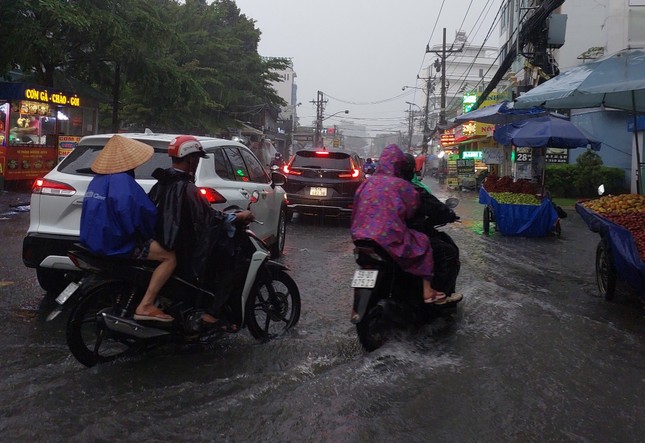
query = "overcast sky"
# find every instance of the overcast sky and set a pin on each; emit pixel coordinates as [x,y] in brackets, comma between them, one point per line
[360,53]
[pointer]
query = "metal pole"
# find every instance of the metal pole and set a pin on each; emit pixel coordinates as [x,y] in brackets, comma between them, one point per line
[442,115]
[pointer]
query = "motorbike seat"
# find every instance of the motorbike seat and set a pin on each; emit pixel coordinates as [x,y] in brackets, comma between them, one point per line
[91,257]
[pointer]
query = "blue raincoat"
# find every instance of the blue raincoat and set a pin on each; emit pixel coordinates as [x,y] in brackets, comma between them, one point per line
[117,213]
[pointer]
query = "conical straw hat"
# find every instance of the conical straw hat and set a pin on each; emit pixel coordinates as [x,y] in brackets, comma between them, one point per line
[121,154]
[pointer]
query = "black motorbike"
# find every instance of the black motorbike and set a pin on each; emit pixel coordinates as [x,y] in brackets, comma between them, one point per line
[388,299]
[101,328]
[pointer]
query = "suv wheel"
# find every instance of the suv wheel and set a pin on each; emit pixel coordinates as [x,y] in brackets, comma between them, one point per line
[278,246]
[51,280]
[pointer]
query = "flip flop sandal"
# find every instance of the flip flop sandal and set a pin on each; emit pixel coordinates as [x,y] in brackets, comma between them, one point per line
[220,325]
[154,316]
[438,299]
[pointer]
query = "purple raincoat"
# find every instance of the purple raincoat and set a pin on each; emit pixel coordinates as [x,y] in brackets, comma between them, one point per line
[381,206]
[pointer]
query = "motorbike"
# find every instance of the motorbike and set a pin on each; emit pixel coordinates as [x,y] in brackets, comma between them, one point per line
[100,327]
[388,299]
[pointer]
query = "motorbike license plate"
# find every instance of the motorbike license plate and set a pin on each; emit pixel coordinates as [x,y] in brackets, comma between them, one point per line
[67,293]
[364,278]
[318,192]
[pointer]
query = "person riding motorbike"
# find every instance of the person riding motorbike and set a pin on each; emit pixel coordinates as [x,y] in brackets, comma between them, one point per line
[200,235]
[369,167]
[430,213]
[382,205]
[118,218]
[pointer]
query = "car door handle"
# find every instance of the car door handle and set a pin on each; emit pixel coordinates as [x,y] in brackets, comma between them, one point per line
[264,193]
[245,193]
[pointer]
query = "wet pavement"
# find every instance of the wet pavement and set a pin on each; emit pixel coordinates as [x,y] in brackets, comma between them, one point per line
[533,354]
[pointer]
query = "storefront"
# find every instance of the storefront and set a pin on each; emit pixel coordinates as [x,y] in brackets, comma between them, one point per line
[465,147]
[39,126]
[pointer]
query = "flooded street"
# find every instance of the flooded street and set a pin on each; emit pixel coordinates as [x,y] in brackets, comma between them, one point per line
[533,354]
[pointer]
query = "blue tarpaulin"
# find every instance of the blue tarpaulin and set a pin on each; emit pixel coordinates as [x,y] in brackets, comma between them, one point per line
[627,261]
[521,220]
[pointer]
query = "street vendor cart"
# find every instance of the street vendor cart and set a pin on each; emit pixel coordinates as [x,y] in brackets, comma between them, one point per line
[617,256]
[528,220]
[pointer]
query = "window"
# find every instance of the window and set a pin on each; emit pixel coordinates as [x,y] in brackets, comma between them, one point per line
[223,167]
[481,72]
[240,173]
[257,174]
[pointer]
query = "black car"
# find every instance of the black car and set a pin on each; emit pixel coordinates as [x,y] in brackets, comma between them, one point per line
[322,182]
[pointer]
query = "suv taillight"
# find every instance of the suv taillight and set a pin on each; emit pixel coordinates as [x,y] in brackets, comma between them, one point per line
[212,196]
[51,187]
[354,174]
[288,171]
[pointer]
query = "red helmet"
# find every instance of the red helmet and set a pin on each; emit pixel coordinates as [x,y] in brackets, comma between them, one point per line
[184,145]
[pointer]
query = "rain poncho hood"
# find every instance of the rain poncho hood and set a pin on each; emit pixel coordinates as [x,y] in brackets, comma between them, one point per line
[382,204]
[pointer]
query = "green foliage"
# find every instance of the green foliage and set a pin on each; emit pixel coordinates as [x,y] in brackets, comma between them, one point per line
[588,175]
[177,66]
[582,179]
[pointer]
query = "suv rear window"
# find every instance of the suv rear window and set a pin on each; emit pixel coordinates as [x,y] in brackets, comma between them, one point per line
[78,162]
[322,160]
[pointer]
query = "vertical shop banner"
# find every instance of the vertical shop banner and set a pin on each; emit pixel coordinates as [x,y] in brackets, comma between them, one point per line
[27,163]
[66,144]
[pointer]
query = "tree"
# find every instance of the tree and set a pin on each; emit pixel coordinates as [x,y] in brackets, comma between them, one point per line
[168,65]
[588,174]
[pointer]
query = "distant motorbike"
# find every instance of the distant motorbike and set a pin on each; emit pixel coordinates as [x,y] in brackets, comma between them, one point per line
[101,328]
[386,298]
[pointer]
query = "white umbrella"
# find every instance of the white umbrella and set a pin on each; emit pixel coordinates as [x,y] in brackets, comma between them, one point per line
[615,81]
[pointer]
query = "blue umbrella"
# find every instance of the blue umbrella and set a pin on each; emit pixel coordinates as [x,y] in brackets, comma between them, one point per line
[540,132]
[500,114]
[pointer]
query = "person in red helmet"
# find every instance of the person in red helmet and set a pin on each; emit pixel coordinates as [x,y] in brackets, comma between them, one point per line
[188,225]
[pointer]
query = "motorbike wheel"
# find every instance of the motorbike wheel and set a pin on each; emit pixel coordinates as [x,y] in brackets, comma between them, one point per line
[273,307]
[87,338]
[373,329]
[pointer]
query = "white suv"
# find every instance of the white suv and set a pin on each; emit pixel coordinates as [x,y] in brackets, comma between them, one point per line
[227,178]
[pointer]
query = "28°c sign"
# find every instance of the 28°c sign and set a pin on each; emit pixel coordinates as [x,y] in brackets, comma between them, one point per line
[57,98]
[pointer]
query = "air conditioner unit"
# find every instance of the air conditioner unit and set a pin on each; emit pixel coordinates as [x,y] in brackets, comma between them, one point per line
[557,24]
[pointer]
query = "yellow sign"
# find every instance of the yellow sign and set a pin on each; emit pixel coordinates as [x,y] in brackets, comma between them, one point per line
[57,98]
[476,128]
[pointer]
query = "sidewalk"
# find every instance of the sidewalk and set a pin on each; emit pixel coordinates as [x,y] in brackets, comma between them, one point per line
[15,194]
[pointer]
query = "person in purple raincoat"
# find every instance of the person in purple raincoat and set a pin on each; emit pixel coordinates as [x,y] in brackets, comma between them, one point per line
[381,206]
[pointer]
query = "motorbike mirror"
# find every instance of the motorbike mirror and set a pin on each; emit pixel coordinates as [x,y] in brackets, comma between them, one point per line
[452,202]
[601,189]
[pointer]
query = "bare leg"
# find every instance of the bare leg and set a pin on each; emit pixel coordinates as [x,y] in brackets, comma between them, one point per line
[159,277]
[430,295]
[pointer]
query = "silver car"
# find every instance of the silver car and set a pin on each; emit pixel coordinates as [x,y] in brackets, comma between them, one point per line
[227,178]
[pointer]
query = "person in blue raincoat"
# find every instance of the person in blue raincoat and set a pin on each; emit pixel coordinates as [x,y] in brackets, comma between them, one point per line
[119,219]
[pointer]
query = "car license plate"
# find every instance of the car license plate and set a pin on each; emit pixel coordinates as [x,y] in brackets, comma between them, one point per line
[364,278]
[67,293]
[318,192]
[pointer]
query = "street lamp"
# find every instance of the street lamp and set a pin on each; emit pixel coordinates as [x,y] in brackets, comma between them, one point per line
[319,125]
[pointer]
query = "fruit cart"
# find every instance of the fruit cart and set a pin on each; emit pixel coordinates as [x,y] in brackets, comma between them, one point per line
[617,253]
[517,214]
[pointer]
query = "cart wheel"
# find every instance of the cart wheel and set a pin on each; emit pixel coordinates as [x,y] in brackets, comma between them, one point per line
[605,271]
[558,229]
[486,221]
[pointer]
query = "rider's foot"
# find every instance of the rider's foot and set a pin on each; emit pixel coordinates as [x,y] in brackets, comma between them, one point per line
[152,313]
[218,323]
[454,297]
[435,297]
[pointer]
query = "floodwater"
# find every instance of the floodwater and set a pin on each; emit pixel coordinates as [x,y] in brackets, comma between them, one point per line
[533,354]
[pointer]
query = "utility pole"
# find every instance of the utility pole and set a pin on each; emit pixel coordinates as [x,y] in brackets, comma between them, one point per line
[320,106]
[410,125]
[440,66]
